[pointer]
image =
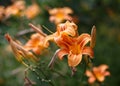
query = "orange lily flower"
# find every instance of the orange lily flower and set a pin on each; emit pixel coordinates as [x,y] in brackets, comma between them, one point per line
[74,48]
[97,73]
[19,51]
[36,43]
[66,37]
[68,28]
[60,14]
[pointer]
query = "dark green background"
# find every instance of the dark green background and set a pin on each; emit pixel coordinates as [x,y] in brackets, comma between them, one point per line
[104,14]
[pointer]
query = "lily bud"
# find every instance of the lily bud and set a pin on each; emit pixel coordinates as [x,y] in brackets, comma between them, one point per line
[93,37]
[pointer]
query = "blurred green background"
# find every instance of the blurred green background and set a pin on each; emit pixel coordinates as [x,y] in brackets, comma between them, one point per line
[104,14]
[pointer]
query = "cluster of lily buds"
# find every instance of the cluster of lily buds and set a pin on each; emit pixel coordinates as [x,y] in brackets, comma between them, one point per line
[19,51]
[70,43]
[66,37]
[19,8]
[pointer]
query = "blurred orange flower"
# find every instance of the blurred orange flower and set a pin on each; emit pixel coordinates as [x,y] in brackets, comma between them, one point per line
[36,43]
[20,4]
[57,15]
[15,9]
[97,73]
[32,11]
[18,8]
[19,51]
[11,10]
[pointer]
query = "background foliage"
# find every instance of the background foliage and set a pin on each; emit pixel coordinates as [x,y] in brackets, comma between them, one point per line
[104,14]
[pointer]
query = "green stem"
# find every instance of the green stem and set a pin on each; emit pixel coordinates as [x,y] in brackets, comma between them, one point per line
[45,76]
[88,61]
[83,71]
[37,74]
[58,73]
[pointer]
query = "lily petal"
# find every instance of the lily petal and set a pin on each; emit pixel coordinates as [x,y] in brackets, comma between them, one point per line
[83,39]
[74,60]
[63,41]
[103,67]
[91,79]
[91,76]
[107,73]
[101,78]
[88,73]
[88,51]
[69,28]
[61,53]
[48,38]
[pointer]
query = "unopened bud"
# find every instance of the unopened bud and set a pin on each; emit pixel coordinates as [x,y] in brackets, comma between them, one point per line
[93,37]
